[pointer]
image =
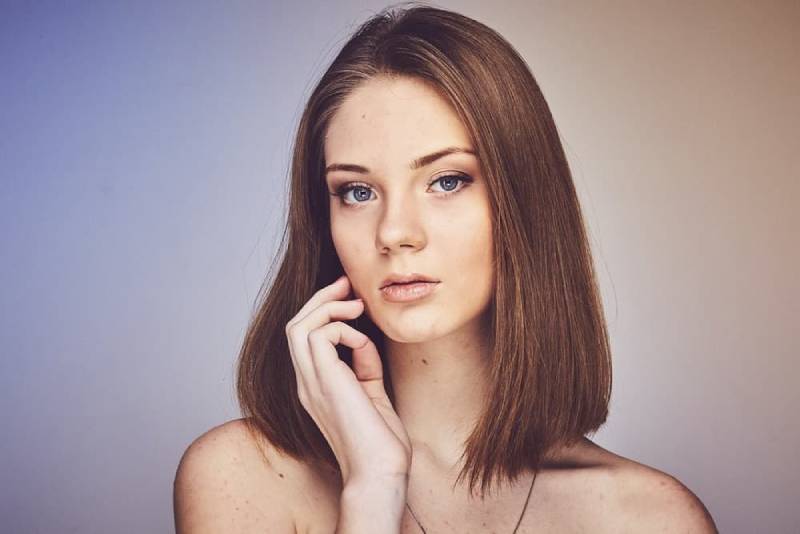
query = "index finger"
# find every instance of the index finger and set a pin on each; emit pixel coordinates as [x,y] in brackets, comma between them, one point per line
[337,290]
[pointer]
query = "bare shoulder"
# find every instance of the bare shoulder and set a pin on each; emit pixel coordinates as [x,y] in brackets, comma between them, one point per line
[229,480]
[649,500]
[654,501]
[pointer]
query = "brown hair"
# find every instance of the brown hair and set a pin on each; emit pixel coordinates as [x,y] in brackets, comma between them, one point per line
[550,367]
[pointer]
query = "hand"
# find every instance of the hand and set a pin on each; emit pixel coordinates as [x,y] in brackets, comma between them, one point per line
[351,409]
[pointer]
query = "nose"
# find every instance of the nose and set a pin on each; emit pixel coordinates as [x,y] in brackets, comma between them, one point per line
[400,227]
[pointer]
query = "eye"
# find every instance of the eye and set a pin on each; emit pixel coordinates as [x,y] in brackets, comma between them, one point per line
[453,179]
[361,192]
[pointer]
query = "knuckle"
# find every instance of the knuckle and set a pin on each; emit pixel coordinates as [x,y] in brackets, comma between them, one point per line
[304,396]
[309,400]
[295,336]
[329,306]
[318,334]
[334,327]
[320,292]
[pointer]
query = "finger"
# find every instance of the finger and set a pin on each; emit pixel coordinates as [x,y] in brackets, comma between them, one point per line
[296,344]
[332,291]
[323,355]
[367,365]
[368,368]
[339,387]
[300,331]
[330,311]
[338,290]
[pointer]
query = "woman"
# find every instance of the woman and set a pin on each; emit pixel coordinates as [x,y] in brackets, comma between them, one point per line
[432,350]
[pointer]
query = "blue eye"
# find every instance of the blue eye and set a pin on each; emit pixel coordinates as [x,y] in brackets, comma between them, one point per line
[451,179]
[362,191]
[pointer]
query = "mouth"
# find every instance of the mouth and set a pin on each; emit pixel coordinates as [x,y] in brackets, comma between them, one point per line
[408,291]
[409,279]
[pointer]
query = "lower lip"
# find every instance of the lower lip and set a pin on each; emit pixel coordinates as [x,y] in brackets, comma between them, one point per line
[408,292]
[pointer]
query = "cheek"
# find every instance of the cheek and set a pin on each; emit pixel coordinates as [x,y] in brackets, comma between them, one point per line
[352,251]
[343,244]
[467,248]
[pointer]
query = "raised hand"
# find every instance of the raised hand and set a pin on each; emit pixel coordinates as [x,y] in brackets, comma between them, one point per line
[350,407]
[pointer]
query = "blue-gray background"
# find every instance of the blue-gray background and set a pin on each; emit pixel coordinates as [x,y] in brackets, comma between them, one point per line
[143,156]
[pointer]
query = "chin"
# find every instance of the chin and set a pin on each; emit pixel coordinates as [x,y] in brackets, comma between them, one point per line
[408,329]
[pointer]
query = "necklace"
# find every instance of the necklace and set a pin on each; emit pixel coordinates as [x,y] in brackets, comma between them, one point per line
[518,520]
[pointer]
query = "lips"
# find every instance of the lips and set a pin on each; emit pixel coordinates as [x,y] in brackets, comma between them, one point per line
[397,279]
[408,292]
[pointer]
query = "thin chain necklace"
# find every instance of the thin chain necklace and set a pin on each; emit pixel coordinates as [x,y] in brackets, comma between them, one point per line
[518,520]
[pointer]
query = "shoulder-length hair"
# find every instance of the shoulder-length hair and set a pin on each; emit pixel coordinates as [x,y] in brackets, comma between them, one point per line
[550,368]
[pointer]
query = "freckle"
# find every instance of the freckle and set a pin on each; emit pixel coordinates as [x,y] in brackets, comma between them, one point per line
[424,361]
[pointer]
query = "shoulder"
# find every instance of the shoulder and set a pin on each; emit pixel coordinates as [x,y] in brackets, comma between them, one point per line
[650,500]
[635,497]
[655,501]
[228,479]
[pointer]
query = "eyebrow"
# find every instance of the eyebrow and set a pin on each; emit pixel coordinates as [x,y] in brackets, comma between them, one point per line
[414,165]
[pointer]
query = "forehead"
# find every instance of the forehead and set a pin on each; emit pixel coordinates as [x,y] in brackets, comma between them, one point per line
[390,121]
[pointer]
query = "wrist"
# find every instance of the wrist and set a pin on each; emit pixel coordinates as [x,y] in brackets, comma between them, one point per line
[386,483]
[374,504]
[384,473]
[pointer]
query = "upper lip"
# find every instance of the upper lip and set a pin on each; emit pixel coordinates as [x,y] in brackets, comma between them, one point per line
[396,278]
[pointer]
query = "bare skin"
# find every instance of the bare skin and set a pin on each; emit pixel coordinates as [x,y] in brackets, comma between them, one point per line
[584,489]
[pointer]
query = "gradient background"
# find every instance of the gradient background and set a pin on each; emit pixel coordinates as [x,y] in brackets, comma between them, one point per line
[144,150]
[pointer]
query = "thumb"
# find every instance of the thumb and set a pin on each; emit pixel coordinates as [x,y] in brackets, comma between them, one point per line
[368,369]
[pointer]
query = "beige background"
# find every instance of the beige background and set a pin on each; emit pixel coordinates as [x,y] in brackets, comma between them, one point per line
[143,157]
[681,126]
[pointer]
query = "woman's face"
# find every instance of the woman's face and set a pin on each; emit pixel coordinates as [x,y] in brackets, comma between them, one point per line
[433,220]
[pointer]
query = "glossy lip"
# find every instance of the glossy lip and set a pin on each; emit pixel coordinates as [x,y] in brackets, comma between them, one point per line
[408,292]
[396,278]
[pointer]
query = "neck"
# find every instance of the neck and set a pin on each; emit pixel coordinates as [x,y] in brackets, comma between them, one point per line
[439,389]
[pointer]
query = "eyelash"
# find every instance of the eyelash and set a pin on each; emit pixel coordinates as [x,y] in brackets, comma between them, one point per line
[343,189]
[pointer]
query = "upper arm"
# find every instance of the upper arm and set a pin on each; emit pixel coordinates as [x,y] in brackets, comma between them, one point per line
[658,502]
[223,484]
